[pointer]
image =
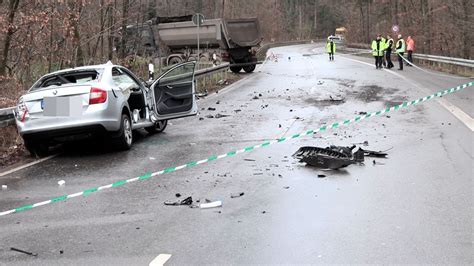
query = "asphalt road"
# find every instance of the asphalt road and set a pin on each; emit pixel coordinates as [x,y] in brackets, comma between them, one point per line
[413,207]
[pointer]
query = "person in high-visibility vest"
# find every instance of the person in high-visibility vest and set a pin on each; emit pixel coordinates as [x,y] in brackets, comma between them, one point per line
[331,48]
[377,51]
[384,43]
[400,49]
[388,51]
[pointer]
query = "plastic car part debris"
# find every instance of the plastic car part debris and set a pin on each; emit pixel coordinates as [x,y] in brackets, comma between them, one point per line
[377,154]
[209,205]
[24,252]
[219,115]
[237,195]
[4,187]
[323,158]
[186,201]
[61,182]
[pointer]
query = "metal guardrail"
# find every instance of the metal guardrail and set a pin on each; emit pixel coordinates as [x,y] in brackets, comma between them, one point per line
[433,58]
[447,60]
[6,117]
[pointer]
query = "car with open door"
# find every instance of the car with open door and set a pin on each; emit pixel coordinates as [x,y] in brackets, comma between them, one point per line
[102,100]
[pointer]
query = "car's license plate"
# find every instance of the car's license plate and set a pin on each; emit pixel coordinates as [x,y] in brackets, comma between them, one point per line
[62,106]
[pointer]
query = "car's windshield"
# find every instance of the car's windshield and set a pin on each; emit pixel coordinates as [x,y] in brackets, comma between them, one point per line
[72,77]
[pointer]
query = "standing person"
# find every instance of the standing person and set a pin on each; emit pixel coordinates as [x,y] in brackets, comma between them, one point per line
[331,48]
[384,45]
[377,51]
[388,51]
[410,49]
[400,49]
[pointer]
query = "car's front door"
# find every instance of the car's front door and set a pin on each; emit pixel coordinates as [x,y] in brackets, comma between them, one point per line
[173,92]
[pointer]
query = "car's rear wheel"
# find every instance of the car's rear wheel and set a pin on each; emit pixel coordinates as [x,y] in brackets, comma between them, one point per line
[36,148]
[124,139]
[158,127]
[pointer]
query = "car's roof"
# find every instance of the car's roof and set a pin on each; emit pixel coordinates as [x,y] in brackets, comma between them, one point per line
[108,64]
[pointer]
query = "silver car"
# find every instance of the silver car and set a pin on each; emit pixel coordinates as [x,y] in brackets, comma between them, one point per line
[107,100]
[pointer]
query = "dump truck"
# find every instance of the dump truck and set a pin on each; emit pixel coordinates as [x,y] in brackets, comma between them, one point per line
[233,40]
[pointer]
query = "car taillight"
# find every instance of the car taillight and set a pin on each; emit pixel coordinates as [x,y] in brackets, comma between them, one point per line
[97,96]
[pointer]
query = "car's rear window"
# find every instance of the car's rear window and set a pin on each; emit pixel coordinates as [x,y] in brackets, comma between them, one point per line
[72,77]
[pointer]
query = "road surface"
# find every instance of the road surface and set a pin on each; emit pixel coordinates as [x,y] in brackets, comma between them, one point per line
[413,207]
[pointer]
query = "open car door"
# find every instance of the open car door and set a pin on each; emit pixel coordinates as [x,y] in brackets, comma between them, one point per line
[173,92]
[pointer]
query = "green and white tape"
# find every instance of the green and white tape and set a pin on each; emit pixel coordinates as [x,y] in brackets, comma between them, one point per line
[146,176]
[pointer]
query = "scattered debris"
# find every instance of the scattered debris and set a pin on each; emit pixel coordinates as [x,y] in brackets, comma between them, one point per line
[365,143]
[61,182]
[263,212]
[249,160]
[222,82]
[321,176]
[201,118]
[362,113]
[236,195]
[218,102]
[334,157]
[257,173]
[209,116]
[24,252]
[152,158]
[286,187]
[255,98]
[213,204]
[178,195]
[61,251]
[4,187]
[211,109]
[219,115]
[324,158]
[186,201]
[237,110]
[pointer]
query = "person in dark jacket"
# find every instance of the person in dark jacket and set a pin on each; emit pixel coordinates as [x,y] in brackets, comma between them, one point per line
[388,51]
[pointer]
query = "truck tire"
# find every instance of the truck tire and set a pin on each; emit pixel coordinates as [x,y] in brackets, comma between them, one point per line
[235,69]
[249,69]
[124,138]
[174,60]
[158,127]
[36,148]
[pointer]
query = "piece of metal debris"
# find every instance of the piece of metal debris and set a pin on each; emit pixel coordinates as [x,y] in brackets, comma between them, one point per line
[186,201]
[24,251]
[236,195]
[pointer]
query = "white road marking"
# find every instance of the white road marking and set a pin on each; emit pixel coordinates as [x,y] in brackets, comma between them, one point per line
[160,260]
[467,120]
[27,165]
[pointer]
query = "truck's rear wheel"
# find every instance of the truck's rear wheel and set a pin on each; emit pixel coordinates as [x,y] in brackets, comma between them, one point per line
[249,69]
[235,69]
[174,60]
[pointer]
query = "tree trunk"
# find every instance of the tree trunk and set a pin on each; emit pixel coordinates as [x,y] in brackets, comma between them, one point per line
[12,8]
[125,6]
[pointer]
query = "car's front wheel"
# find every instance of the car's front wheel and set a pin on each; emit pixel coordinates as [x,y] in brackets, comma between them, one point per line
[158,127]
[124,138]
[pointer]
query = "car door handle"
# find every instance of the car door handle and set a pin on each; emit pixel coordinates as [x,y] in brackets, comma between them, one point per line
[169,87]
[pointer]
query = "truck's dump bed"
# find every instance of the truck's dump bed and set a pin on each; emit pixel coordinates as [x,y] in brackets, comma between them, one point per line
[220,33]
[244,32]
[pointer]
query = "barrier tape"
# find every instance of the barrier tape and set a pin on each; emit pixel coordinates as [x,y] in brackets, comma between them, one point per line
[146,176]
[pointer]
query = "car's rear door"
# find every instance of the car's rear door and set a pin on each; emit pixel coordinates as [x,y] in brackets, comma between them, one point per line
[173,92]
